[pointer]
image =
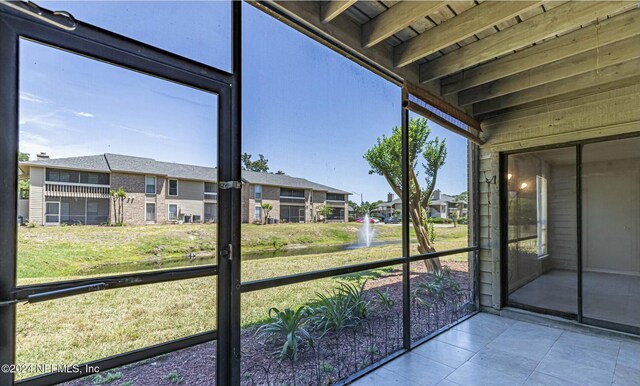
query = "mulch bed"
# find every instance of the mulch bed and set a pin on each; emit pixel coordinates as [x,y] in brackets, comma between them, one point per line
[333,357]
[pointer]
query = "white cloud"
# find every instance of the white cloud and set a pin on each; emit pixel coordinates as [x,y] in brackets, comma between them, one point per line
[51,122]
[149,134]
[34,143]
[83,114]
[25,96]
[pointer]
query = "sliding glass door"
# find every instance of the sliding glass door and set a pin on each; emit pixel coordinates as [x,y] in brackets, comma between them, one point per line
[541,226]
[572,232]
[611,232]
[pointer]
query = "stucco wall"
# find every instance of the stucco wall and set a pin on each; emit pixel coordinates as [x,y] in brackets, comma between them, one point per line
[190,198]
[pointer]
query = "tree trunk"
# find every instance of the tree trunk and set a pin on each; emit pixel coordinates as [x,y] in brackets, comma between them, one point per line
[115,212]
[424,243]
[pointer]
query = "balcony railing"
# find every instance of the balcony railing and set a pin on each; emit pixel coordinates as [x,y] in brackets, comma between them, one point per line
[210,196]
[67,189]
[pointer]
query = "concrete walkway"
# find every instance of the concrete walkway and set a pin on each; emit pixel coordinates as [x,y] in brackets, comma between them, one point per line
[493,350]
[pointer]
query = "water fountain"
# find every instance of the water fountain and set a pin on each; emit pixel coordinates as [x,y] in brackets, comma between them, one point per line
[366,232]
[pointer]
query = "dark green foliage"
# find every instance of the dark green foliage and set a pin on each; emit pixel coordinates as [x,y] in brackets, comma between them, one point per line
[289,328]
[175,377]
[441,287]
[346,306]
[384,299]
[259,165]
[106,378]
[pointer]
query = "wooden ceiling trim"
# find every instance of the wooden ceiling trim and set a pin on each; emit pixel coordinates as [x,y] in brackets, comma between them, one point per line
[591,79]
[329,10]
[441,104]
[607,32]
[537,28]
[457,29]
[618,52]
[395,19]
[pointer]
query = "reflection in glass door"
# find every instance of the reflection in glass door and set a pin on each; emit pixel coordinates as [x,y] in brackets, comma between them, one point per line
[611,232]
[542,231]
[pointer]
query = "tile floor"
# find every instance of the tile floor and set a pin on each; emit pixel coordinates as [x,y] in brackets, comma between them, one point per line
[493,350]
[605,296]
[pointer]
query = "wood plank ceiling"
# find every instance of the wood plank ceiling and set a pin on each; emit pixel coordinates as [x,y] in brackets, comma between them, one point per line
[485,57]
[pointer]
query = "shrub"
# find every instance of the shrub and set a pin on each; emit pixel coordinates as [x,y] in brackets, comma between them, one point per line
[346,306]
[384,299]
[106,378]
[175,377]
[326,367]
[441,220]
[287,325]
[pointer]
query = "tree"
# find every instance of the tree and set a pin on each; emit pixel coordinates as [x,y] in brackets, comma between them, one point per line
[118,197]
[23,185]
[454,218]
[368,207]
[259,165]
[357,210]
[266,209]
[464,196]
[325,211]
[385,159]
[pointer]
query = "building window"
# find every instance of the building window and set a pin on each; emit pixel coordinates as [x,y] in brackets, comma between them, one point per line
[335,197]
[173,212]
[173,187]
[75,177]
[541,200]
[258,195]
[24,194]
[292,214]
[150,211]
[210,212]
[258,213]
[292,195]
[337,214]
[150,185]
[52,212]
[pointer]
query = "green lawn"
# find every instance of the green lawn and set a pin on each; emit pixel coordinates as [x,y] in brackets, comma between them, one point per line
[91,326]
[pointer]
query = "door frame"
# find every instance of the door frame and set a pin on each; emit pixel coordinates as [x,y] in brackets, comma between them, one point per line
[106,46]
[503,192]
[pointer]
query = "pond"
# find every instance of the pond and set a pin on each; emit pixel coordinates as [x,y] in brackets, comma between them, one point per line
[184,262]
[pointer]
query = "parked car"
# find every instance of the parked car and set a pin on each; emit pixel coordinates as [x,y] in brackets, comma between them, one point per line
[375,219]
[361,220]
[392,220]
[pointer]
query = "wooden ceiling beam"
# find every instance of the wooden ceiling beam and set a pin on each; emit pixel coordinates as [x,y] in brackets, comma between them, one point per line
[395,19]
[597,78]
[542,26]
[609,31]
[330,9]
[458,28]
[605,56]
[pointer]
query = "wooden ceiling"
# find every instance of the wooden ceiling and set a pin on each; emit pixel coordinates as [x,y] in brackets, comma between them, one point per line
[484,57]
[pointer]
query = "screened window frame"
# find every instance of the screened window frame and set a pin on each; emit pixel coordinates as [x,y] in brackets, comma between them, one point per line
[138,56]
[100,45]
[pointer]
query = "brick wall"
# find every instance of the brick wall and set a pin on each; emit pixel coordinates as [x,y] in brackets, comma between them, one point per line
[134,207]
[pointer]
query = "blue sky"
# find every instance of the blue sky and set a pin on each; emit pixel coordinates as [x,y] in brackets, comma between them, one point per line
[310,111]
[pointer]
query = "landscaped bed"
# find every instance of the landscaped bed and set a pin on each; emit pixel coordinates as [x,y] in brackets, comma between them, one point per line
[96,325]
[332,354]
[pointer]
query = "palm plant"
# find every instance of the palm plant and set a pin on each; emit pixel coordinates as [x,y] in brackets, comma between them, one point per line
[346,306]
[384,299]
[288,325]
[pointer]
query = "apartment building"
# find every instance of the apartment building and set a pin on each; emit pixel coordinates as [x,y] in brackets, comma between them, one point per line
[77,190]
